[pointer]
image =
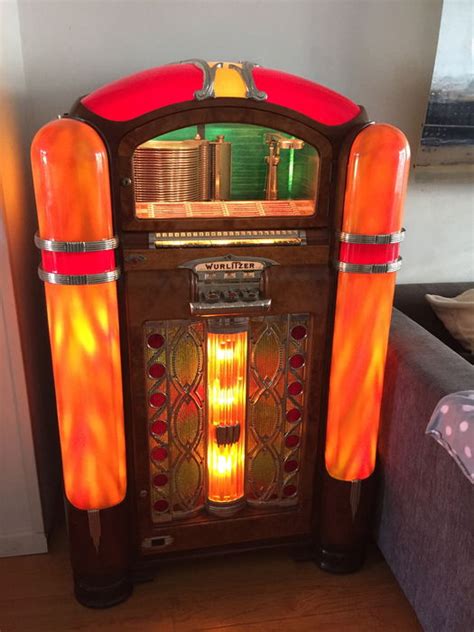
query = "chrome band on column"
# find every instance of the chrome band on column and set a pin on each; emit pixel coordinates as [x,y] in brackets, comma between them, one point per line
[370,268]
[387,238]
[78,279]
[53,245]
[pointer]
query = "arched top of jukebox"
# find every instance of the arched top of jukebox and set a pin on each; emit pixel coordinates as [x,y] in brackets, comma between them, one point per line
[144,92]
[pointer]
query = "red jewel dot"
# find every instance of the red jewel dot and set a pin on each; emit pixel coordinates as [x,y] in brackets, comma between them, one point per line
[293,415]
[159,480]
[295,388]
[291,466]
[161,505]
[159,427]
[159,454]
[296,361]
[298,332]
[156,371]
[289,490]
[155,341]
[292,441]
[157,400]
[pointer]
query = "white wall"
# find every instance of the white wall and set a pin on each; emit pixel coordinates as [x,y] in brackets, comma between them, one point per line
[378,52]
[23,404]
[454,57]
[21,521]
[439,216]
[440,204]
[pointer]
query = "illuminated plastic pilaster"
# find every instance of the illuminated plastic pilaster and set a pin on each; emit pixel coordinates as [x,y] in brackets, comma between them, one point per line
[377,176]
[72,188]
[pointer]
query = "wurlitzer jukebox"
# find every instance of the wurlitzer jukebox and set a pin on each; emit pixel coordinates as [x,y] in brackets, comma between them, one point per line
[219,244]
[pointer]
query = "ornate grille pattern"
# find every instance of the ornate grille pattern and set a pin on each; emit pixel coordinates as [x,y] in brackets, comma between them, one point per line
[174,355]
[175,387]
[276,402]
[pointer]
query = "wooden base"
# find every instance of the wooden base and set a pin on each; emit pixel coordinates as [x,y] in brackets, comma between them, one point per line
[101,565]
[100,555]
[340,562]
[346,512]
[301,548]
[102,591]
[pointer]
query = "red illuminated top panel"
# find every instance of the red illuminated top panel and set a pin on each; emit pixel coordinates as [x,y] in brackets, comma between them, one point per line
[146,91]
[306,97]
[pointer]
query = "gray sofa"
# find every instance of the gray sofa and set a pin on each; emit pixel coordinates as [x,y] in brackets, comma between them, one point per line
[425,513]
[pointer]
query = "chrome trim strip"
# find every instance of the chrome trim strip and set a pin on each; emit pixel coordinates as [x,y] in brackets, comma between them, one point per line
[246,72]
[227,238]
[387,238]
[54,245]
[209,72]
[239,307]
[225,509]
[370,268]
[78,279]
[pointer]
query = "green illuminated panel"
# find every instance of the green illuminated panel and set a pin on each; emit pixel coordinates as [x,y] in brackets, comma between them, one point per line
[297,170]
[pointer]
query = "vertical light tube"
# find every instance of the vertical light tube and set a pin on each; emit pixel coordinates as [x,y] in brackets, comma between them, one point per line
[291,170]
[72,189]
[227,342]
[377,176]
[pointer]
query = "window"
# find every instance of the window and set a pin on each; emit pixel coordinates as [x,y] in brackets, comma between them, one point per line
[224,170]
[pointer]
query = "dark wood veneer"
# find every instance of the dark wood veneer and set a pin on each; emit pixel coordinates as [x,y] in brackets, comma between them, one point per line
[154,288]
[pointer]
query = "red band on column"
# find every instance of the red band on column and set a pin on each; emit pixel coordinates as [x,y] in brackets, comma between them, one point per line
[78,262]
[368,253]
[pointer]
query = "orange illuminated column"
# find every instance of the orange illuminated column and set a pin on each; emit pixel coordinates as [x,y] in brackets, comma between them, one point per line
[377,176]
[71,179]
[226,399]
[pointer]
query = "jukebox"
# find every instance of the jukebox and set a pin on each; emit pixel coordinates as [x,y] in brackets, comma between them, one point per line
[219,244]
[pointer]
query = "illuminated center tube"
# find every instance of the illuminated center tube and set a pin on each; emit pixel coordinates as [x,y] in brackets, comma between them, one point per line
[227,343]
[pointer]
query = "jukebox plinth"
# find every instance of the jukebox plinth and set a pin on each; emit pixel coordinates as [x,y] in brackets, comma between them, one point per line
[219,247]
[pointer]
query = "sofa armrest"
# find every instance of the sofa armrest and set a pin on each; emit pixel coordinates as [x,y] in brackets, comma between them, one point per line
[410,299]
[425,503]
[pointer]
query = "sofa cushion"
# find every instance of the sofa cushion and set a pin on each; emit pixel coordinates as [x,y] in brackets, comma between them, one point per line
[457,315]
[410,299]
[425,504]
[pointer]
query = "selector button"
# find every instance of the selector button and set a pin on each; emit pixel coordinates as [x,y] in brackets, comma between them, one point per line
[211,297]
[230,296]
[249,295]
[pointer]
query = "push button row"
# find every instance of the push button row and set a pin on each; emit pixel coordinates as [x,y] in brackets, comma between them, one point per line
[230,296]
